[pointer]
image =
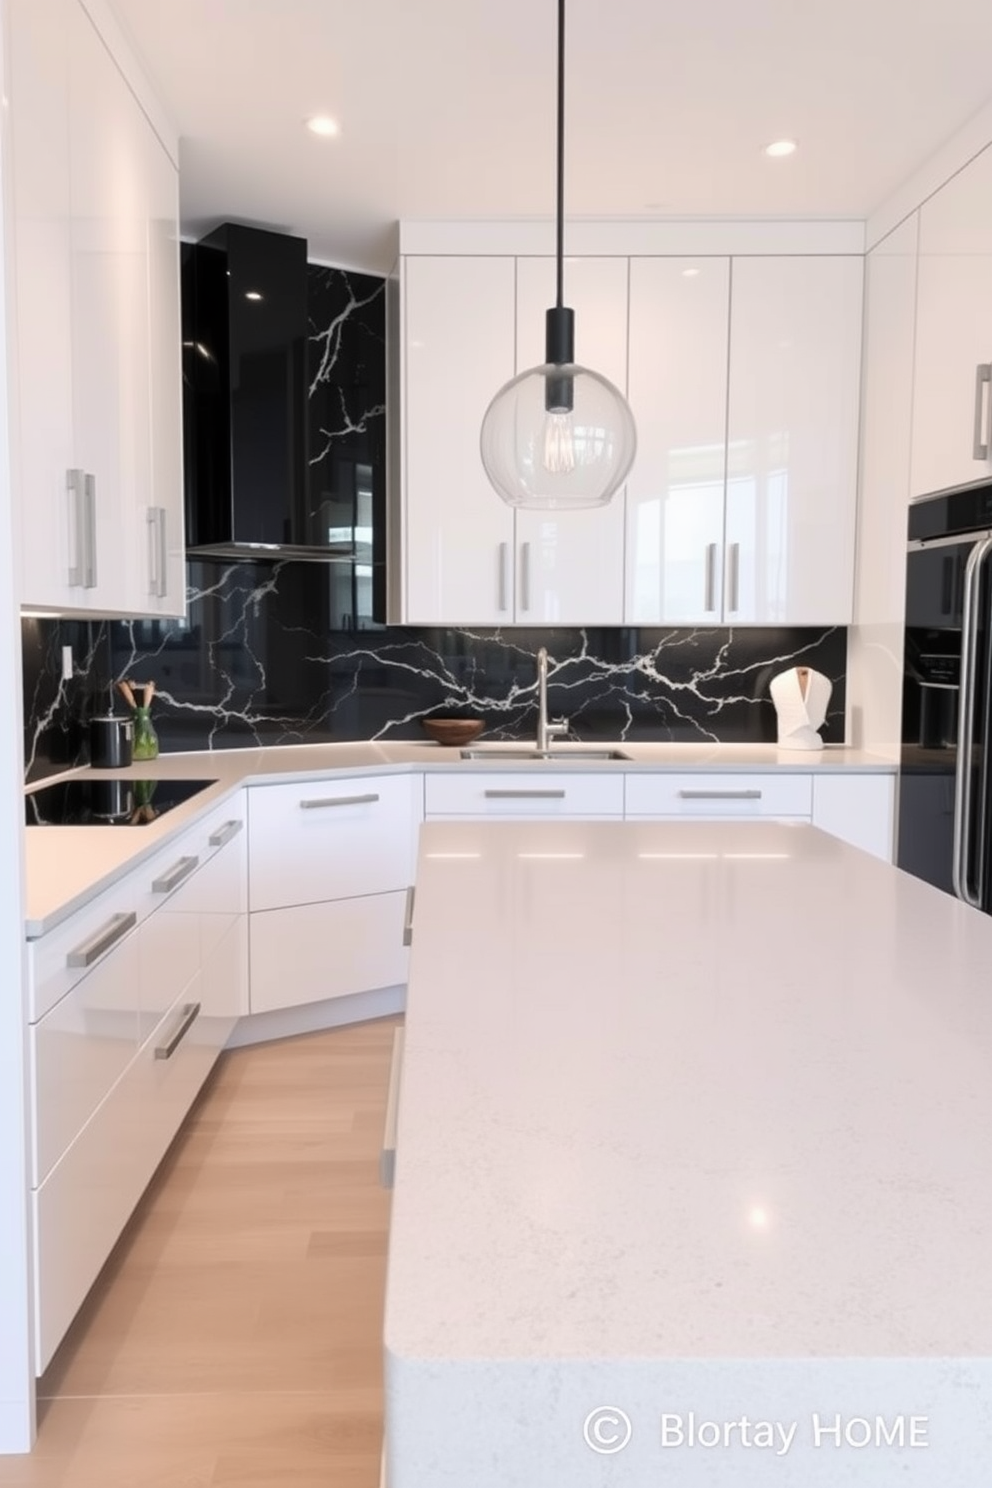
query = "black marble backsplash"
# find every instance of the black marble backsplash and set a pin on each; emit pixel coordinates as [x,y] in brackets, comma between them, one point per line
[265,659]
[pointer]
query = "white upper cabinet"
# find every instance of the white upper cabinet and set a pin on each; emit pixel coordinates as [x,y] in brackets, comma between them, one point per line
[792,442]
[743,377]
[458,330]
[41,310]
[570,563]
[679,310]
[96,431]
[161,561]
[952,416]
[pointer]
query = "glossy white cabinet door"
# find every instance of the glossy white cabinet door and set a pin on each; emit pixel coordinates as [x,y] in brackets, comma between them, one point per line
[332,839]
[82,1206]
[109,296]
[679,310]
[795,357]
[953,332]
[163,540]
[523,794]
[316,951]
[41,392]
[570,563]
[458,316]
[81,1048]
[859,809]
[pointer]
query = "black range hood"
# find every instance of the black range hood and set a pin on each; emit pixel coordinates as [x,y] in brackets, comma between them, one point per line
[245,398]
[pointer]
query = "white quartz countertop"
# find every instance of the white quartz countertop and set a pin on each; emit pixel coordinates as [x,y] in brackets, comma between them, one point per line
[693,1117]
[64,866]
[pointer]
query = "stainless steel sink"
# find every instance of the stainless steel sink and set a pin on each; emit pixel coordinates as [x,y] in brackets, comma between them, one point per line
[564,752]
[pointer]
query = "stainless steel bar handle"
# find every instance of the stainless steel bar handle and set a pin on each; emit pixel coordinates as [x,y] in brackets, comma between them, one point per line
[89,488]
[75,481]
[408,916]
[91,950]
[163,549]
[524,795]
[720,795]
[175,876]
[961,838]
[734,600]
[525,576]
[190,1014]
[223,834]
[983,376]
[710,601]
[502,587]
[157,585]
[320,802]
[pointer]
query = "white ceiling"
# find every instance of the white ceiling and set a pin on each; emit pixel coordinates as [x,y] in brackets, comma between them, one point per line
[447,107]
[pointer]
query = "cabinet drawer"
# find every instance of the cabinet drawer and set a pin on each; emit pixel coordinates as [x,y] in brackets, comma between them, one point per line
[81,1209]
[710,794]
[527,793]
[55,960]
[80,1049]
[171,1067]
[331,839]
[313,951]
[74,949]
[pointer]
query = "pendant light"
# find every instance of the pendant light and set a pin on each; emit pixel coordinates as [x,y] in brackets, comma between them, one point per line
[558,435]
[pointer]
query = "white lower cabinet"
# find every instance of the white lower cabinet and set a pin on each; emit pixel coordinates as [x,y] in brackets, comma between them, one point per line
[524,794]
[858,808]
[707,794]
[132,1000]
[330,862]
[310,952]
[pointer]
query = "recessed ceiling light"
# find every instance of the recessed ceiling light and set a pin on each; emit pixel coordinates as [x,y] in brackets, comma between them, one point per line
[324,125]
[252,294]
[778,149]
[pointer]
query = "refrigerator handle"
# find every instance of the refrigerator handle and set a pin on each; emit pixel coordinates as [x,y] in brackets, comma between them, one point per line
[966,726]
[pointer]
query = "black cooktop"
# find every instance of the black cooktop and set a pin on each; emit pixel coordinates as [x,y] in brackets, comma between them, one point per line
[106,802]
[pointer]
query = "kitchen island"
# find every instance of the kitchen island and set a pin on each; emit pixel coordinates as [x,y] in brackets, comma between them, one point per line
[692,1172]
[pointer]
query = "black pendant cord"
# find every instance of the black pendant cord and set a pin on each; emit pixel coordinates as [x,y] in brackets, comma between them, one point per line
[559,301]
[559,331]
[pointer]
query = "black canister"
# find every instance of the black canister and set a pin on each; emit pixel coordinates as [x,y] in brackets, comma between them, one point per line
[110,742]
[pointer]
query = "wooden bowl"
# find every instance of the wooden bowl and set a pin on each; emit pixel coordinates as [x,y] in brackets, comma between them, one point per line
[452,731]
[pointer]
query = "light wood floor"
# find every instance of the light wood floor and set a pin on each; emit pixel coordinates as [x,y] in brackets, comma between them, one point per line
[235,1336]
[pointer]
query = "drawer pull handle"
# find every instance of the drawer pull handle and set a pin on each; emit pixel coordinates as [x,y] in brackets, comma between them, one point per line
[190,1014]
[408,916]
[175,876]
[387,1157]
[524,795]
[317,805]
[91,950]
[709,603]
[720,795]
[223,834]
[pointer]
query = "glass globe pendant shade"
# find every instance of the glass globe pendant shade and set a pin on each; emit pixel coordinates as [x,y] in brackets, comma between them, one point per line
[558,437]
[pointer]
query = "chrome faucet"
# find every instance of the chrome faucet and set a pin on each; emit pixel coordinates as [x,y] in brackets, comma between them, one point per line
[546,731]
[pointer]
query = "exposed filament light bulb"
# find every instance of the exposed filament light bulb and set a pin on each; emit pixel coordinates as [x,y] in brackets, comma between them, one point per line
[559,442]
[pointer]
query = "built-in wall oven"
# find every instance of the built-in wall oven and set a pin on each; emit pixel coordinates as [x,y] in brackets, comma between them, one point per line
[945,790]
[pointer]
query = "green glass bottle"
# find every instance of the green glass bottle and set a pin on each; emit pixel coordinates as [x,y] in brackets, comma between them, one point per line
[145,745]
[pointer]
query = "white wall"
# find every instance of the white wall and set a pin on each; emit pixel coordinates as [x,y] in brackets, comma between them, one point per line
[16,1363]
